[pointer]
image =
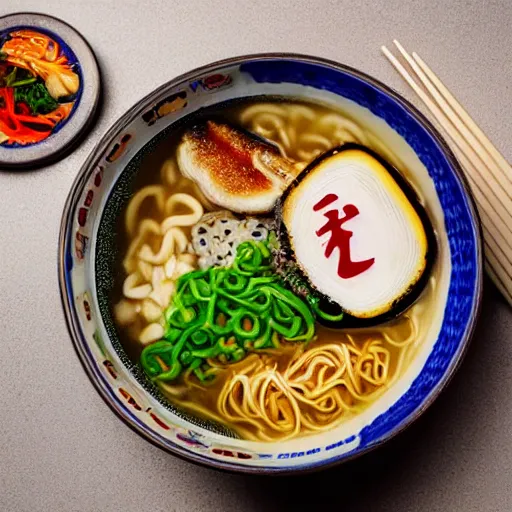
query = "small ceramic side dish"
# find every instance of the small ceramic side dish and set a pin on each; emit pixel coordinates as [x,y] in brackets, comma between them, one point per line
[88,249]
[49,89]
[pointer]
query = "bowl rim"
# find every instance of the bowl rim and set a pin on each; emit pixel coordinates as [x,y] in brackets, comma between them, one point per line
[139,107]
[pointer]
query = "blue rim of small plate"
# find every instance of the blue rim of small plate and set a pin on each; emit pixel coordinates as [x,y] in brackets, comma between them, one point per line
[72,59]
[69,133]
[263,60]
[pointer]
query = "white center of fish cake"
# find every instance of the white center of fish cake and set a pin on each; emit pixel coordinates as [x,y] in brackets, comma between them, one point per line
[355,233]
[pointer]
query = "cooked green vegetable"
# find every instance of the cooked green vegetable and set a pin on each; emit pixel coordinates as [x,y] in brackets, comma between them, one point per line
[11,77]
[225,312]
[324,310]
[36,96]
[25,81]
[14,77]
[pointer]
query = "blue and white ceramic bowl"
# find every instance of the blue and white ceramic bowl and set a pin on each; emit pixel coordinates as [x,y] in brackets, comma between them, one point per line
[102,188]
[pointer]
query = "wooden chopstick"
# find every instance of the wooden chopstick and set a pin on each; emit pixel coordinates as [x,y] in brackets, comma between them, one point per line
[473,143]
[496,186]
[470,123]
[493,255]
[487,210]
[490,272]
[490,176]
[493,225]
[479,182]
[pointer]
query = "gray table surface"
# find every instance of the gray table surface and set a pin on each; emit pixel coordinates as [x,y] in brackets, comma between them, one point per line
[61,449]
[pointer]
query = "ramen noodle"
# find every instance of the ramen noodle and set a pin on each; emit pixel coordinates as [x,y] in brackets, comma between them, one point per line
[248,287]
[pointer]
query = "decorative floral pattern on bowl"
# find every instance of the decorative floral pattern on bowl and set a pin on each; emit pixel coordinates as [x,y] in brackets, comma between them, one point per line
[103,187]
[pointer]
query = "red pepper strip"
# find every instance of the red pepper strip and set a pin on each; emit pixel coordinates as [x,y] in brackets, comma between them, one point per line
[23,108]
[11,124]
[34,120]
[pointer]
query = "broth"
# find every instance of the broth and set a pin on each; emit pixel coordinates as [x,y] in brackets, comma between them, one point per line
[277,392]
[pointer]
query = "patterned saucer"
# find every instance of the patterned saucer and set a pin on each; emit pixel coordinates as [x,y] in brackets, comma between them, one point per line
[49,89]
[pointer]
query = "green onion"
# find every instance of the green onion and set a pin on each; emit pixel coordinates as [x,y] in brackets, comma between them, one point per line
[254,306]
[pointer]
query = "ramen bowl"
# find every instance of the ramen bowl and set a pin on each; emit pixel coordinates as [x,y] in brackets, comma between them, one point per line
[88,249]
